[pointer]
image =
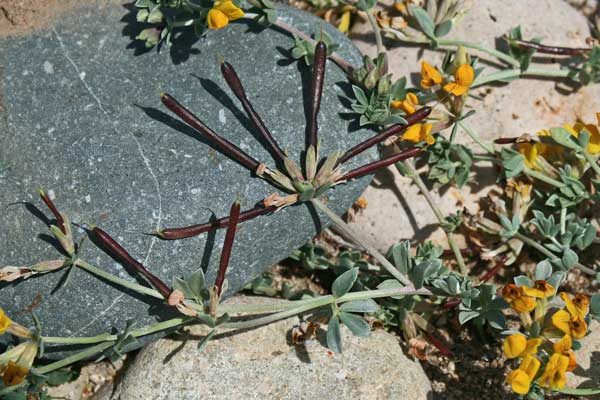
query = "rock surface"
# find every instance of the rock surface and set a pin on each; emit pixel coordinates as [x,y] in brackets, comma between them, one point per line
[396,211]
[262,364]
[80,115]
[587,373]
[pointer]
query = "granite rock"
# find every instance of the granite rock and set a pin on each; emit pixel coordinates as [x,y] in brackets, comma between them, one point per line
[80,115]
[261,363]
[525,105]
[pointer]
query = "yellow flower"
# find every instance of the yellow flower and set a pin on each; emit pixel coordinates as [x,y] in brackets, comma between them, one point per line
[222,12]
[407,105]
[579,305]
[541,290]
[400,7]
[555,374]
[463,78]
[594,144]
[518,345]
[5,321]
[14,374]
[418,133]
[521,378]
[430,76]
[515,296]
[563,346]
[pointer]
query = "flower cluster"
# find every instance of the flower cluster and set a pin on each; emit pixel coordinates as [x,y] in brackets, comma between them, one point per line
[16,362]
[546,347]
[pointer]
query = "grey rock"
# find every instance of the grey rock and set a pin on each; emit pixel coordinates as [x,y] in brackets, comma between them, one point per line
[525,105]
[262,364]
[82,118]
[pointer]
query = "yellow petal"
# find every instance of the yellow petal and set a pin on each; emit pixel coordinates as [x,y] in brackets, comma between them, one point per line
[571,307]
[5,321]
[412,98]
[524,304]
[344,24]
[530,365]
[519,381]
[563,344]
[464,75]
[232,11]
[14,374]
[216,19]
[455,88]
[578,327]
[514,345]
[532,347]
[413,134]
[561,320]
[430,76]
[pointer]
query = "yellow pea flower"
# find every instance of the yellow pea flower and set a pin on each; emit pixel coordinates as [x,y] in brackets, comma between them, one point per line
[430,76]
[563,346]
[515,296]
[555,374]
[594,144]
[570,324]
[521,378]
[16,363]
[463,78]
[222,12]
[5,321]
[541,290]
[579,305]
[518,345]
[407,105]
[14,374]
[419,133]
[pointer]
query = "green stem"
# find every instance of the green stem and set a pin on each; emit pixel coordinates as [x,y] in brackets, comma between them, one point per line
[416,178]
[448,42]
[477,139]
[75,357]
[119,281]
[516,73]
[350,233]
[543,177]
[376,31]
[592,161]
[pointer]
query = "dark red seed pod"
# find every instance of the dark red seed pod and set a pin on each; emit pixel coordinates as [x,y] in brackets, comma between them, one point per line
[492,272]
[439,345]
[195,230]
[452,303]
[235,84]
[320,62]
[225,146]
[234,215]
[556,50]
[113,248]
[506,140]
[374,166]
[411,119]
[52,207]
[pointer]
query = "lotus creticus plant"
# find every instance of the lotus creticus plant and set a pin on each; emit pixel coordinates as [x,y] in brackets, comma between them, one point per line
[544,347]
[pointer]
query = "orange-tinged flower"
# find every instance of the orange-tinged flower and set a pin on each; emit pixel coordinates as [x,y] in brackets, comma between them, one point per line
[515,296]
[570,324]
[430,76]
[521,378]
[419,133]
[408,105]
[579,305]
[222,13]
[463,78]
[563,346]
[593,146]
[5,321]
[14,374]
[518,345]
[541,290]
[555,374]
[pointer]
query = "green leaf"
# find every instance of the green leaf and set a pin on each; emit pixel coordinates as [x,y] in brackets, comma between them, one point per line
[360,306]
[204,341]
[580,392]
[522,280]
[356,324]
[196,283]
[424,20]
[334,335]
[61,376]
[564,138]
[569,258]
[443,29]
[344,283]
[595,305]
[543,270]
[466,316]
[401,256]
[391,284]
